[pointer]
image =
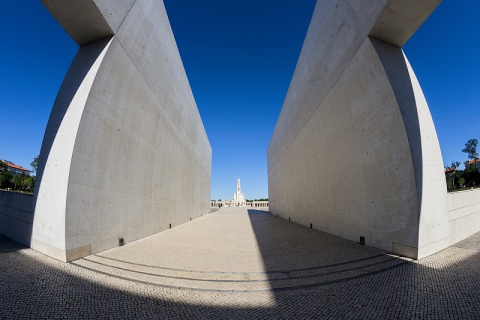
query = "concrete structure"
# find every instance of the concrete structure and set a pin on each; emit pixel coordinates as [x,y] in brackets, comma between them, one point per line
[263,205]
[464,214]
[354,152]
[266,267]
[238,197]
[16,216]
[125,154]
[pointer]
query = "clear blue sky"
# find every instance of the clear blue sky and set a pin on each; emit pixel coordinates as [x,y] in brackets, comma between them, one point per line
[239,57]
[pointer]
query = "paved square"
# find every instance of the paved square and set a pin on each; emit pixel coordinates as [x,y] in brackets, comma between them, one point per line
[239,264]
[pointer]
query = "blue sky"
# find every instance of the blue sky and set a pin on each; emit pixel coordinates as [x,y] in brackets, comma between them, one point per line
[239,57]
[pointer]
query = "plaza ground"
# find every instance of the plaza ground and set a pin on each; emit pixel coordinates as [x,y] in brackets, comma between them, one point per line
[235,263]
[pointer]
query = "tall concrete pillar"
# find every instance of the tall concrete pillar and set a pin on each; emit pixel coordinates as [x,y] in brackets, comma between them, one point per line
[354,151]
[125,154]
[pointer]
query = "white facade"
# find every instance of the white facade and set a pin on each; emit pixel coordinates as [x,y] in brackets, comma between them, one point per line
[238,196]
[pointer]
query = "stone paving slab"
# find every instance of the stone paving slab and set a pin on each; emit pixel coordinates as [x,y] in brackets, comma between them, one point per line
[443,286]
[232,240]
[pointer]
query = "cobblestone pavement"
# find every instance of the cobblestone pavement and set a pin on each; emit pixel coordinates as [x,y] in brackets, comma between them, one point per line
[233,264]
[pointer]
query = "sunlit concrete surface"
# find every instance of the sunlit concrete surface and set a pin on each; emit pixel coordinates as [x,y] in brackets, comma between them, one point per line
[125,154]
[288,271]
[354,151]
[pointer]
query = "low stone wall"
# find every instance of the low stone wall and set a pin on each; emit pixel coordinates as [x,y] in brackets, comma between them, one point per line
[258,205]
[16,216]
[464,214]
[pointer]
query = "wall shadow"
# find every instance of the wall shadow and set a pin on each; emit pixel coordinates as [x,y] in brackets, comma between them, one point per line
[35,286]
[309,258]
[16,216]
[365,282]
[8,245]
[396,69]
[443,286]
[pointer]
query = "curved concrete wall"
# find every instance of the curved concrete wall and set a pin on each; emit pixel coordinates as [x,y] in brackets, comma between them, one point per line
[125,153]
[354,151]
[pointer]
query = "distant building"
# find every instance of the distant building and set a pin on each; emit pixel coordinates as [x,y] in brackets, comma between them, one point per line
[239,201]
[473,162]
[16,169]
[238,196]
[450,170]
[259,204]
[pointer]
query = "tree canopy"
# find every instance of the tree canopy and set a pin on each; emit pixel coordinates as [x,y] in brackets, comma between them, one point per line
[470,176]
[17,181]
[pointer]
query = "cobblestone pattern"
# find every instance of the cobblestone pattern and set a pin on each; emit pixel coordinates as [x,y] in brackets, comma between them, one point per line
[443,286]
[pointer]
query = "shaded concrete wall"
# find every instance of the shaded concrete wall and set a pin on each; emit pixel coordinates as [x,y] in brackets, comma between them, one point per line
[125,154]
[354,151]
[16,216]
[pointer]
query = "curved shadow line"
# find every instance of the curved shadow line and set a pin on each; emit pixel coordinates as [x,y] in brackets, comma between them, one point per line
[307,286]
[231,272]
[239,281]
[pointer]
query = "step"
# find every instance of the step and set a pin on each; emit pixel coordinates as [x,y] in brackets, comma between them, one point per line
[215,280]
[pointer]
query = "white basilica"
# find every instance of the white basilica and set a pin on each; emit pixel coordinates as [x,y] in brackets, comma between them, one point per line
[238,197]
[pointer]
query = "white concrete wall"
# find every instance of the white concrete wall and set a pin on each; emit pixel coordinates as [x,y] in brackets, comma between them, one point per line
[16,216]
[464,210]
[354,151]
[125,154]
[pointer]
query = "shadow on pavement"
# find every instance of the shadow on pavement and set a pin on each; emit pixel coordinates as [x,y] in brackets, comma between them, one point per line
[442,286]
[350,280]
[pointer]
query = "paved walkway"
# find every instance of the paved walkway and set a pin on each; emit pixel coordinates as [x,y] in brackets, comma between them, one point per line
[239,264]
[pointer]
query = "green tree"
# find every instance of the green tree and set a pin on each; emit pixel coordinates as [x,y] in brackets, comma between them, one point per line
[471,150]
[3,167]
[16,180]
[449,184]
[5,175]
[471,174]
[27,182]
[455,164]
[34,165]
[452,175]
